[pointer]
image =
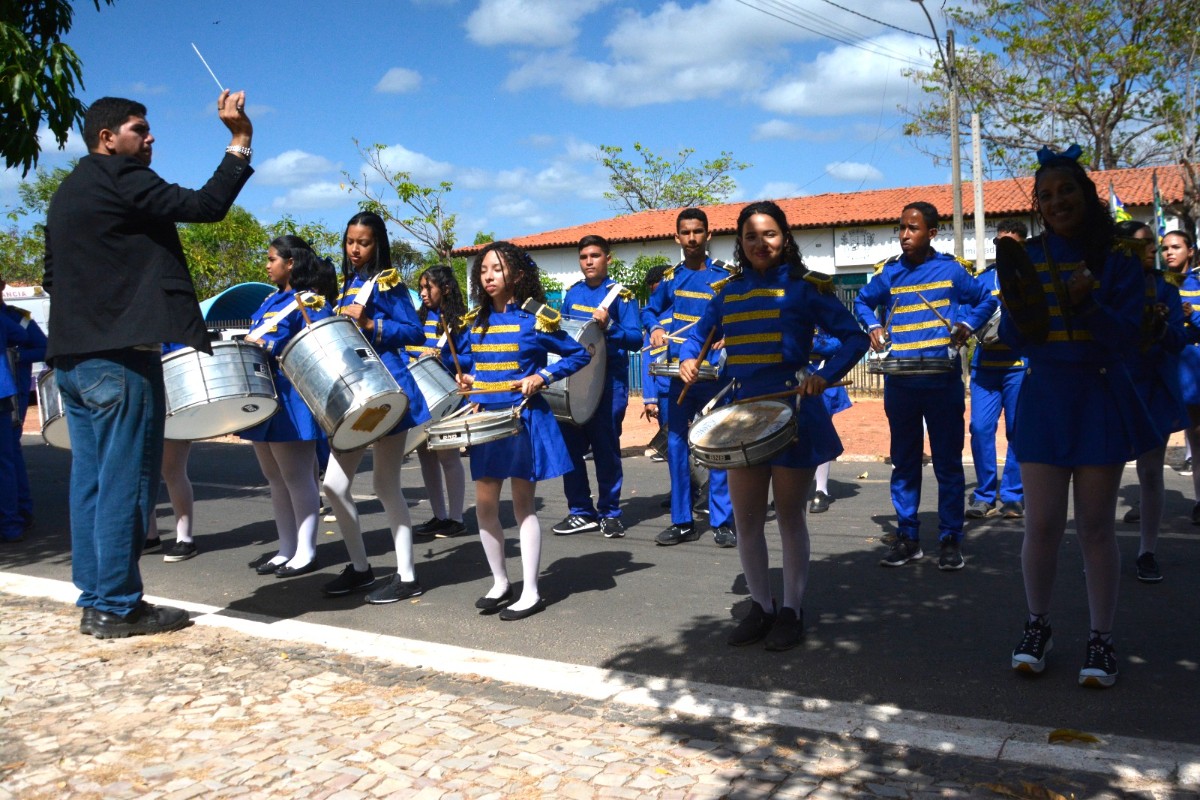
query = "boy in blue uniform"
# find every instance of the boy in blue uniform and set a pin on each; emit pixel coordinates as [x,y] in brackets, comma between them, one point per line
[27,354]
[685,291]
[611,306]
[12,524]
[933,304]
[654,386]
[996,373]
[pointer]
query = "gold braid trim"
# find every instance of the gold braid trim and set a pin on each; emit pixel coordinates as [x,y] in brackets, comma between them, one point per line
[1174,278]
[313,301]
[388,279]
[824,283]
[625,294]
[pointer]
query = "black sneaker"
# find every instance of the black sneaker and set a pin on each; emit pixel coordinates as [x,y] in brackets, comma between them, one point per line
[575,524]
[1099,665]
[820,503]
[903,551]
[788,630]
[657,459]
[753,627]
[1196,514]
[723,536]
[1134,514]
[1147,569]
[450,529]
[430,528]
[1013,509]
[612,527]
[979,509]
[350,580]
[143,620]
[152,545]
[677,534]
[394,591]
[950,558]
[1030,655]
[180,551]
[1186,467]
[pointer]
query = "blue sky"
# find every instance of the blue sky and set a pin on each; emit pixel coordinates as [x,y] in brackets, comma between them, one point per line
[508,99]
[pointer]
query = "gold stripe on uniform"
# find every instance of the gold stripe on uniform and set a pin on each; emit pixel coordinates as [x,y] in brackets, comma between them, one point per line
[1064,336]
[923,287]
[918,326]
[484,366]
[943,342]
[746,316]
[493,385]
[496,329]
[585,309]
[694,295]
[921,306]
[685,317]
[769,358]
[754,338]
[735,298]
[496,348]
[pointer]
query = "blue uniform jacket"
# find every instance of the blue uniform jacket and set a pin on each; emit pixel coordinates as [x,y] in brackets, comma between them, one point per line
[12,334]
[29,352]
[623,333]
[685,294]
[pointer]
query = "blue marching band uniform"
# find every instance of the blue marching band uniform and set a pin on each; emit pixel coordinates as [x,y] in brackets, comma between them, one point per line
[295,421]
[397,327]
[686,293]
[603,430]
[767,322]
[836,398]
[1189,358]
[996,374]
[1154,365]
[938,399]
[18,335]
[514,346]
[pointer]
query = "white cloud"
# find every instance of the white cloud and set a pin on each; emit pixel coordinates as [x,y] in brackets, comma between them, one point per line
[521,209]
[777,190]
[847,80]
[142,89]
[398,158]
[533,23]
[399,80]
[292,167]
[852,171]
[322,194]
[791,131]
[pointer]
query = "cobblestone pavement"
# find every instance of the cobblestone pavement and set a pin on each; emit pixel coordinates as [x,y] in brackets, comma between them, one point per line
[215,713]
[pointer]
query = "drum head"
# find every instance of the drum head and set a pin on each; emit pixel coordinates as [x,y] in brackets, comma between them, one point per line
[369,422]
[584,388]
[219,418]
[732,427]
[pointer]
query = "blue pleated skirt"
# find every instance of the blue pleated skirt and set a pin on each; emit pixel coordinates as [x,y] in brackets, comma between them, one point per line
[536,453]
[294,422]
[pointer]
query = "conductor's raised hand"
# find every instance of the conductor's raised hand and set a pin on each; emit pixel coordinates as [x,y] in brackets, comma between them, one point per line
[689,370]
[231,108]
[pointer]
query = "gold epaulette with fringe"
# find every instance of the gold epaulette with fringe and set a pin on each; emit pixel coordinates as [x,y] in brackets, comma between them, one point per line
[730,268]
[468,318]
[879,267]
[969,266]
[1130,247]
[388,279]
[1174,278]
[824,283]
[548,320]
[717,286]
[669,272]
[314,301]
[625,294]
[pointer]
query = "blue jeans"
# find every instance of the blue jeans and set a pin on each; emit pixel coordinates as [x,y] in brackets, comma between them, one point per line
[115,407]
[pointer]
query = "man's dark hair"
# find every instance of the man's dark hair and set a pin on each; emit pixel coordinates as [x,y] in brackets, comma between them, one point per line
[654,275]
[928,212]
[1013,226]
[592,240]
[691,213]
[108,113]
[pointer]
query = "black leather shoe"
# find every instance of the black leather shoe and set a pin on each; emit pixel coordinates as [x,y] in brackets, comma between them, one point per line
[145,619]
[493,603]
[820,503]
[86,620]
[284,571]
[509,615]
[267,568]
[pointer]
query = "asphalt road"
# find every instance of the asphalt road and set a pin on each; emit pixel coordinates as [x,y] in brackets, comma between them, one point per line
[914,637]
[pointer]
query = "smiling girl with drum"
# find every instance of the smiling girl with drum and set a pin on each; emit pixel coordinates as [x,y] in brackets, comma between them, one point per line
[374,296]
[442,306]
[286,443]
[766,314]
[503,352]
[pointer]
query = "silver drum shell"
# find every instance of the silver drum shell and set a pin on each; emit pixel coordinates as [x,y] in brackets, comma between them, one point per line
[51,411]
[219,394]
[576,397]
[440,391]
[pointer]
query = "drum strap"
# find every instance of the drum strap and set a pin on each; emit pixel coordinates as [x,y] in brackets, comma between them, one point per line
[612,295]
[364,291]
[262,329]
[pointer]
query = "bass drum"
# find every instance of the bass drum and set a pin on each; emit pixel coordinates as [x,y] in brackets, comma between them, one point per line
[219,394]
[50,409]
[353,397]
[576,398]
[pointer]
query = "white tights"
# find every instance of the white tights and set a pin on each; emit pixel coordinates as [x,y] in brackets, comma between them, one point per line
[1152,495]
[435,463]
[748,491]
[822,477]
[290,470]
[491,535]
[1095,493]
[179,488]
[339,478]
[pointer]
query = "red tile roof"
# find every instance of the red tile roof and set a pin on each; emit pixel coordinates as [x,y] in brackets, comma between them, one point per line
[1002,197]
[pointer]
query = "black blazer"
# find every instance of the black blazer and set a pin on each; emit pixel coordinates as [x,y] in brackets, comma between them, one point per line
[115,268]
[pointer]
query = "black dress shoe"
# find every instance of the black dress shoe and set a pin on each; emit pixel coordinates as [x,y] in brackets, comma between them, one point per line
[144,619]
[819,504]
[493,603]
[509,615]
[267,568]
[86,620]
[284,571]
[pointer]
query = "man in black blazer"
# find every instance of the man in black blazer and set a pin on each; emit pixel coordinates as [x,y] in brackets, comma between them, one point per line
[120,288]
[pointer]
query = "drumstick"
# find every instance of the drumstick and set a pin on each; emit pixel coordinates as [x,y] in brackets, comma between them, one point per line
[453,352]
[493,390]
[304,313]
[945,321]
[788,393]
[672,337]
[207,67]
[703,355]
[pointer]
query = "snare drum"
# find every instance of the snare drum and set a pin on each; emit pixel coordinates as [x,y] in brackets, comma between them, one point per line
[989,332]
[440,392]
[50,409]
[886,364]
[576,397]
[742,435]
[670,369]
[478,428]
[219,394]
[352,395]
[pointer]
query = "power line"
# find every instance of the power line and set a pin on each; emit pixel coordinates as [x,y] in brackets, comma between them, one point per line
[878,21]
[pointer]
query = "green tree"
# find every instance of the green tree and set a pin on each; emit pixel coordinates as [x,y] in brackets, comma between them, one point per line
[221,254]
[484,238]
[421,212]
[22,254]
[324,240]
[661,183]
[1057,71]
[39,79]
[633,276]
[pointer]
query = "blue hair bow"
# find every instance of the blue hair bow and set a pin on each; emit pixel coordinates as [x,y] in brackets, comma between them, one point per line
[1046,154]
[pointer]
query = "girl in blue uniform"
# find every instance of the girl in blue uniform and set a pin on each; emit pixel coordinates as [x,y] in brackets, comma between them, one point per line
[441,301]
[285,444]
[837,400]
[374,296]
[504,348]
[1076,384]
[766,314]
[1179,257]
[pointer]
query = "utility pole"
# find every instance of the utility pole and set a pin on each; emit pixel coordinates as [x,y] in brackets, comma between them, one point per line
[977,176]
[955,148]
